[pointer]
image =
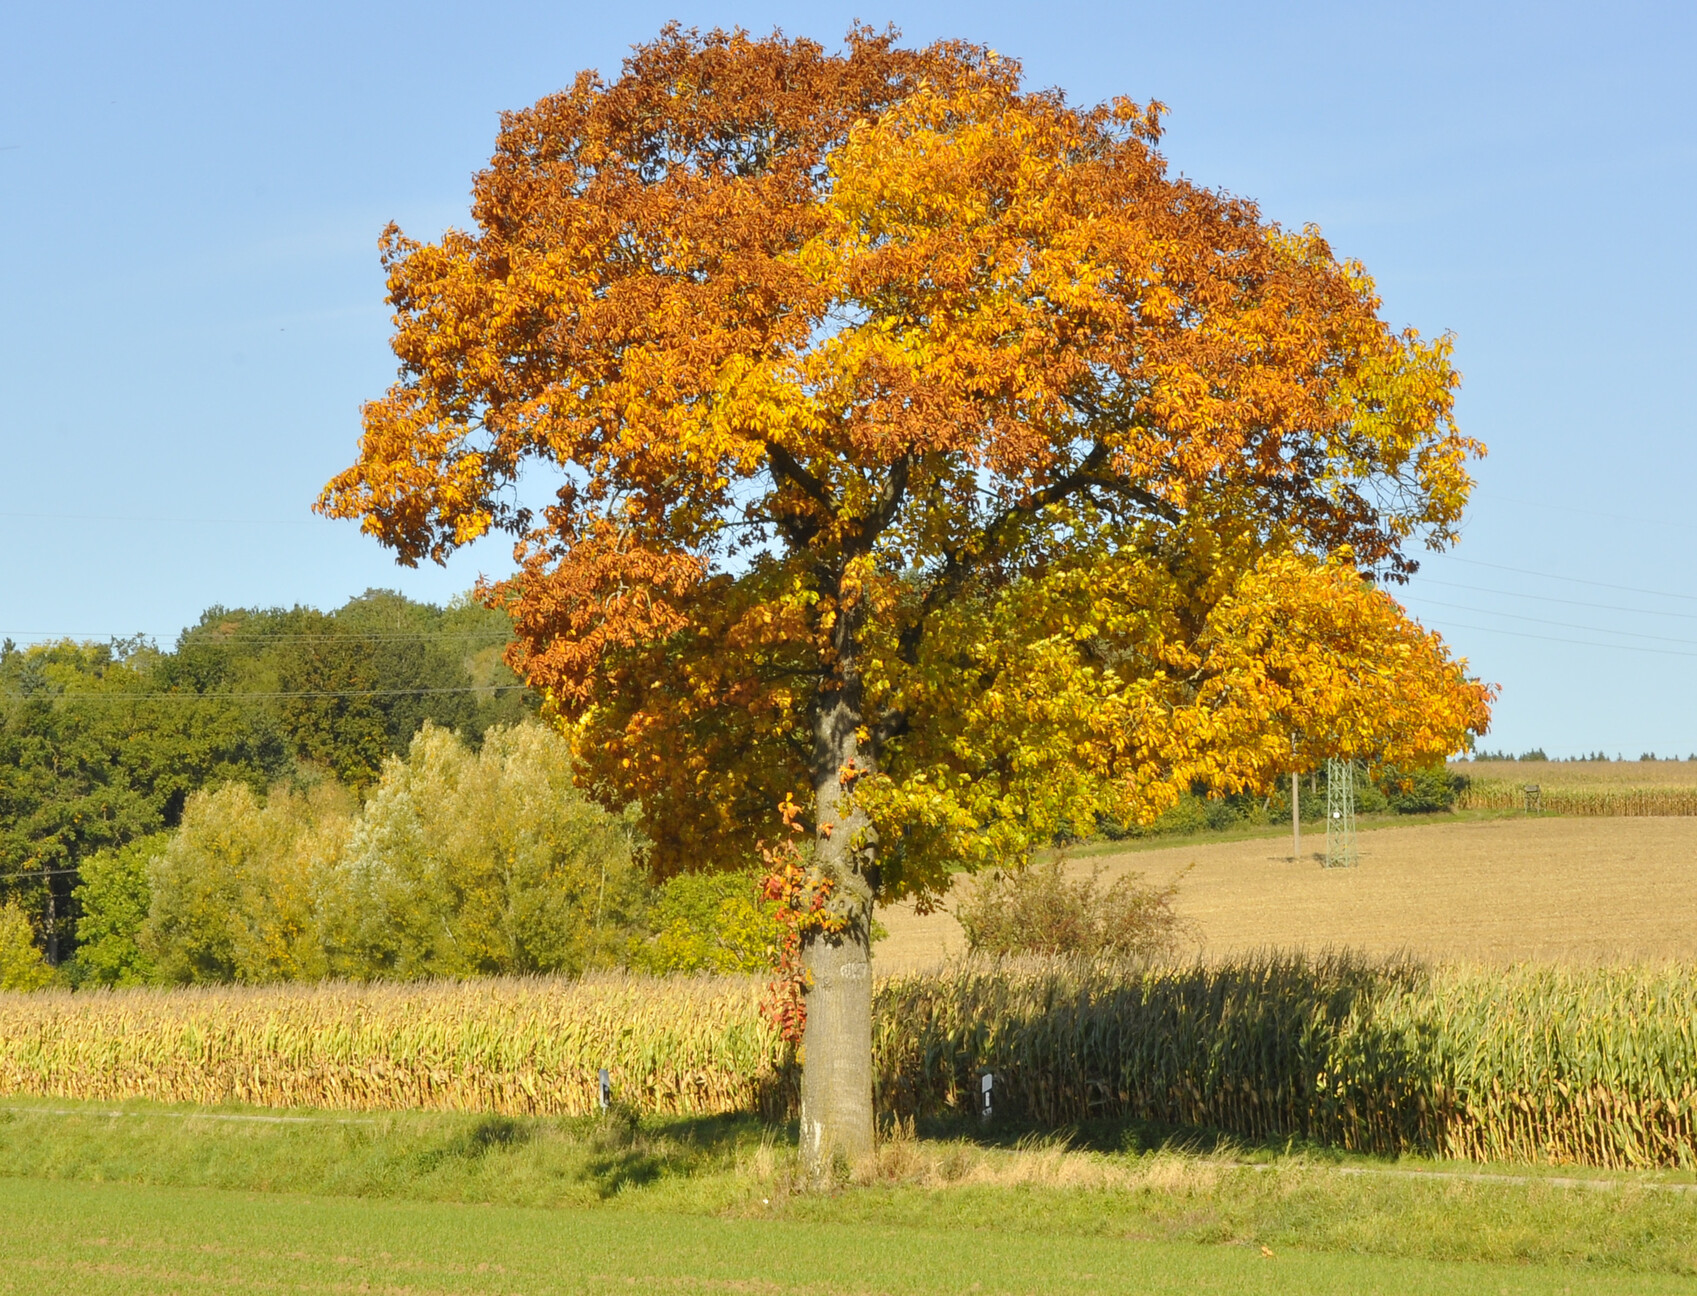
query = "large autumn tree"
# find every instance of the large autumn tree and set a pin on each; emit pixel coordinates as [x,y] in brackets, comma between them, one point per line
[923,449]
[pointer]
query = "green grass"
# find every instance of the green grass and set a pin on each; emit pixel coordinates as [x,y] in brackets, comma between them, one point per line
[104,1203]
[96,1239]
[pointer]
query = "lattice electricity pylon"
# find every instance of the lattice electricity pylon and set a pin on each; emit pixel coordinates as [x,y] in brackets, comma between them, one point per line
[1340,814]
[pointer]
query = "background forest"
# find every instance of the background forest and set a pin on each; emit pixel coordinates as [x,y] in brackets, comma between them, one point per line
[101,744]
[293,794]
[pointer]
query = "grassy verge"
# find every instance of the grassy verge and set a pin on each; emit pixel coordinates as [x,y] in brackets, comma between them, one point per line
[1026,1197]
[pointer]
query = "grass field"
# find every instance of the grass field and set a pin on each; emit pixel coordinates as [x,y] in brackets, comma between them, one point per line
[1493,889]
[176,1201]
[84,1240]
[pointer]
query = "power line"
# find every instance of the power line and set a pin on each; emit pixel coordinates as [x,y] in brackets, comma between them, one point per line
[1582,643]
[179,521]
[201,635]
[254,697]
[1575,580]
[1562,625]
[36,873]
[1550,598]
[197,638]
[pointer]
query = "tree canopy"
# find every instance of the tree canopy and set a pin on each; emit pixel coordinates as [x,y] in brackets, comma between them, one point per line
[874,376]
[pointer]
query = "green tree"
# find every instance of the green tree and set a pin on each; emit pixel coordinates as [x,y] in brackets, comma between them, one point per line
[96,749]
[233,893]
[21,964]
[470,863]
[113,899]
[711,922]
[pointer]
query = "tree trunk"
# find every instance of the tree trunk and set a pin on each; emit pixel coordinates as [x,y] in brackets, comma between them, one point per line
[1295,816]
[836,1072]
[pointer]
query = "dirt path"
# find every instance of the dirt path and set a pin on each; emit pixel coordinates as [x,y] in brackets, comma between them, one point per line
[1579,890]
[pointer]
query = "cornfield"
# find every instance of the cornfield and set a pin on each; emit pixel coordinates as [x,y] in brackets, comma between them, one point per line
[1591,1066]
[520,1046]
[1585,802]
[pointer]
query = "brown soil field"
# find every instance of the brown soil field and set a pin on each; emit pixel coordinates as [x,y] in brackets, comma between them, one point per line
[1591,774]
[1495,891]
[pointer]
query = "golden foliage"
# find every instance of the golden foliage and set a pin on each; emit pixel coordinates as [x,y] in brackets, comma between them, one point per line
[879,387]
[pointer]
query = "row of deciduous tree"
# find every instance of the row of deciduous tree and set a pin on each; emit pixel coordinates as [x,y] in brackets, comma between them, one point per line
[103,744]
[460,862]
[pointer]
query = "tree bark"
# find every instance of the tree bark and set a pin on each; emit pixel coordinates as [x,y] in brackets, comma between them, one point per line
[836,1072]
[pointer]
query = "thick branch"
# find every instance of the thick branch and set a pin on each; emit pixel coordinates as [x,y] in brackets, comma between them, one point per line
[889,501]
[784,464]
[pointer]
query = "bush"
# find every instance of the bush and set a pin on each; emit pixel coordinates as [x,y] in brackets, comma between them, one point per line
[1423,791]
[114,897]
[710,922]
[1038,910]
[21,965]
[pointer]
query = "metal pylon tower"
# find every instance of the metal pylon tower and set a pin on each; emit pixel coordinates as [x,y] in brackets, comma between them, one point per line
[1340,814]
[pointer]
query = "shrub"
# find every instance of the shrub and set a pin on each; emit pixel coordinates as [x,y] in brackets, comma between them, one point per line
[1423,791]
[1038,910]
[710,922]
[21,965]
[114,896]
[1188,814]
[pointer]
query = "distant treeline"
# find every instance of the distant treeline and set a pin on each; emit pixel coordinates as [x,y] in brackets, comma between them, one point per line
[1537,754]
[102,744]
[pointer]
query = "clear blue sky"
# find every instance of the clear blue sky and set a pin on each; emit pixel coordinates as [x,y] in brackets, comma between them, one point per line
[191,307]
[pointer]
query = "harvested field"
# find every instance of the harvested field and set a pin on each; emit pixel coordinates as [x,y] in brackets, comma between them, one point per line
[1498,891]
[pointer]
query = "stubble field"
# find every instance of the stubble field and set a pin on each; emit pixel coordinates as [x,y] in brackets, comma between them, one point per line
[1501,890]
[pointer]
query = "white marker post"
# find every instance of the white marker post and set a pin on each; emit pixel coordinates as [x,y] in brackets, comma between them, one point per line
[986,1082]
